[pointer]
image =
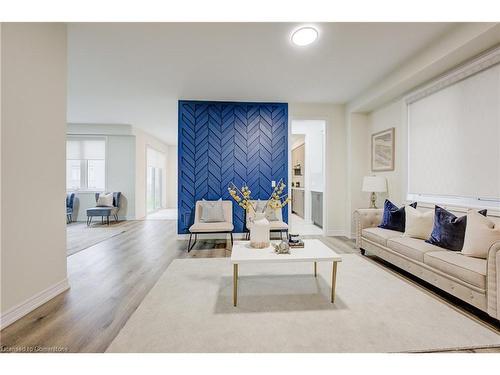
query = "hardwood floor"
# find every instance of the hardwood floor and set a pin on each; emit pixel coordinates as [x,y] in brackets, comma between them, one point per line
[108,282]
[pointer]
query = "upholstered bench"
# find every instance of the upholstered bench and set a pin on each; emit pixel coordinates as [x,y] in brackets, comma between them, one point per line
[200,227]
[104,212]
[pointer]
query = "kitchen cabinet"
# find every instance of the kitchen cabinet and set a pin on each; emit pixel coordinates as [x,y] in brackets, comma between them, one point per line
[298,202]
[317,208]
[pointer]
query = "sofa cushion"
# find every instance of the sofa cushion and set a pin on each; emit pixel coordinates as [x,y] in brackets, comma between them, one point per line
[411,247]
[418,224]
[470,270]
[394,217]
[211,227]
[481,233]
[380,235]
[449,231]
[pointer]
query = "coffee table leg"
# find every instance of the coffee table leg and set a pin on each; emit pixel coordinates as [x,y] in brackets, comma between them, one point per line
[334,277]
[315,269]
[235,284]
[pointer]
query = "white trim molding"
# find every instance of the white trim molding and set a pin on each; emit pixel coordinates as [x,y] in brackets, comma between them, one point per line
[463,71]
[24,308]
[336,233]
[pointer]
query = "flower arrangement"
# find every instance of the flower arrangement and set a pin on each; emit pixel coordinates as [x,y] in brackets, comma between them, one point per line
[243,197]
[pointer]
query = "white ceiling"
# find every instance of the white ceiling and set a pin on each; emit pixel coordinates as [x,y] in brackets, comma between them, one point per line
[134,73]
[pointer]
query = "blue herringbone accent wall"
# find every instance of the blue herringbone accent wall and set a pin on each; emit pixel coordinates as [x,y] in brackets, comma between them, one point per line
[220,142]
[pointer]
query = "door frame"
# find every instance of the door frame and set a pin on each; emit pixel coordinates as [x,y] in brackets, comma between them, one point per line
[326,167]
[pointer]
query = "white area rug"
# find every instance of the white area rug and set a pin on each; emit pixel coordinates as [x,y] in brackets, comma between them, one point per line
[80,237]
[283,308]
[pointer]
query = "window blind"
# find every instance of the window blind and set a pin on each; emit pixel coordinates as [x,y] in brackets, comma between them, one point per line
[79,148]
[454,139]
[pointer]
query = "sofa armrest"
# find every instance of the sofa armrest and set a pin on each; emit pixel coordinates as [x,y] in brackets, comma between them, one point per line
[366,218]
[493,280]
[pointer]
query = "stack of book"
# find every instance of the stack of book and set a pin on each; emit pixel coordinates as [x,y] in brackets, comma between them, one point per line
[294,241]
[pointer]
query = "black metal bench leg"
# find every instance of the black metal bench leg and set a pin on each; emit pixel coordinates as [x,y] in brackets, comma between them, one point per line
[190,246]
[108,220]
[231,239]
[89,220]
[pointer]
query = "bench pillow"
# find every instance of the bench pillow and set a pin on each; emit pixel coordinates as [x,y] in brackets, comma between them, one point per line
[212,211]
[105,200]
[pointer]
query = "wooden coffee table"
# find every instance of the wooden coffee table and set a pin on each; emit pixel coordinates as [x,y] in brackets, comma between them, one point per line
[314,251]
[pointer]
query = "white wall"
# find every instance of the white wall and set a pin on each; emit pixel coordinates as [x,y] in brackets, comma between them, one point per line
[143,141]
[381,106]
[335,191]
[392,116]
[172,177]
[358,165]
[33,259]
[120,167]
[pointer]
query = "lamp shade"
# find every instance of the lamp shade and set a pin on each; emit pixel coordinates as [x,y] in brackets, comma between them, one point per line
[374,184]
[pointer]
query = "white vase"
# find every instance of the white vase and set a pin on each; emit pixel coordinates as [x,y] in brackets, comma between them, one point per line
[260,231]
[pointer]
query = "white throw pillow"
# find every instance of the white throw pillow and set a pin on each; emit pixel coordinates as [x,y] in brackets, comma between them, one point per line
[105,200]
[480,234]
[212,211]
[418,224]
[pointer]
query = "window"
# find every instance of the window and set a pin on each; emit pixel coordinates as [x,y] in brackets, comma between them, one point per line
[85,163]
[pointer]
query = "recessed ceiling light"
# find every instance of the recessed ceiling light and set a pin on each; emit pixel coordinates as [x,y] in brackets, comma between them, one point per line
[304,36]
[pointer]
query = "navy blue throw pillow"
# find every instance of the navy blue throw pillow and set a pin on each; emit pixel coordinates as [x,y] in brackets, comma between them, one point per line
[449,230]
[394,217]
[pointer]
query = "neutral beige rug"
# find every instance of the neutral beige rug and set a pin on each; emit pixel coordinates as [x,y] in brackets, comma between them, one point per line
[283,308]
[80,237]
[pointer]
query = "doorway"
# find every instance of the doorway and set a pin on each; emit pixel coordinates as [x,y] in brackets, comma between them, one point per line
[308,177]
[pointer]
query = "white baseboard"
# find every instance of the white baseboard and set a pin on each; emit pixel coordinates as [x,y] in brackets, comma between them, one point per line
[17,312]
[335,233]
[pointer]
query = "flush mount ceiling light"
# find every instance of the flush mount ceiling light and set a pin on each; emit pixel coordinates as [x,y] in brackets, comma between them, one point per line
[304,36]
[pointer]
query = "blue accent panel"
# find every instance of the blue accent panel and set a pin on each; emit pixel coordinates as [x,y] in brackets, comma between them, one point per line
[223,142]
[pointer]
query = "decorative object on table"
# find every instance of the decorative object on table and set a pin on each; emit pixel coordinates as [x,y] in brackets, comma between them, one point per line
[383,150]
[260,226]
[373,185]
[294,241]
[281,248]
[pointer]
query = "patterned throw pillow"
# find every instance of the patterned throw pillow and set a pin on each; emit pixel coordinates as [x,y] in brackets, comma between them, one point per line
[212,211]
[394,217]
[449,230]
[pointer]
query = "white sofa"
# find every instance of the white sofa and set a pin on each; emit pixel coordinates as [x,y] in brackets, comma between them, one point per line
[475,281]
